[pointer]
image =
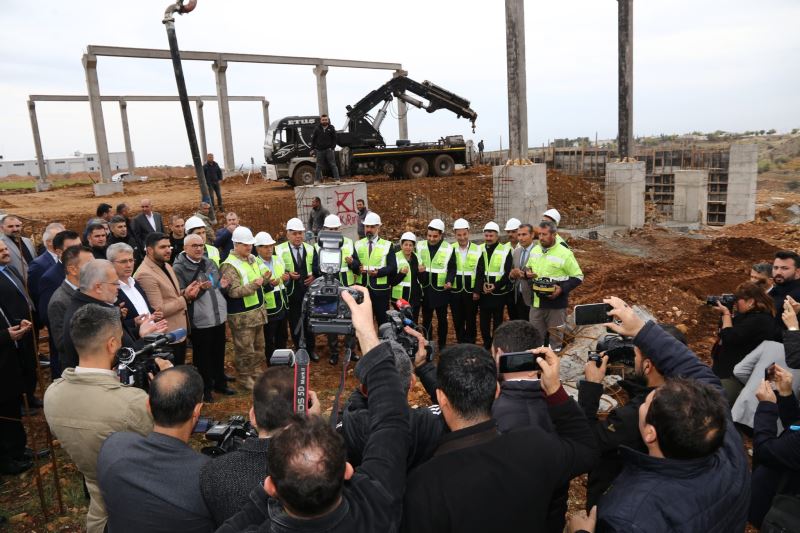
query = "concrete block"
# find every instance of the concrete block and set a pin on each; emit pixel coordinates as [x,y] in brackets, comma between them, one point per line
[625,194]
[338,199]
[107,189]
[690,201]
[43,186]
[742,175]
[520,191]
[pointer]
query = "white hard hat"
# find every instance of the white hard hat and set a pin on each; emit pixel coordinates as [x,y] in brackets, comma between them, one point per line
[512,224]
[436,223]
[372,219]
[193,223]
[554,214]
[295,224]
[332,221]
[491,226]
[263,239]
[408,236]
[460,224]
[243,235]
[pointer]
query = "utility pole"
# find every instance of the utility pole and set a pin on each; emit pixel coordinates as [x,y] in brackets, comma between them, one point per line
[625,65]
[517,85]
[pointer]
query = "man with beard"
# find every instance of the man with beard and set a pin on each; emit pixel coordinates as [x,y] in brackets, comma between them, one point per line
[437,266]
[621,428]
[784,273]
[120,233]
[96,239]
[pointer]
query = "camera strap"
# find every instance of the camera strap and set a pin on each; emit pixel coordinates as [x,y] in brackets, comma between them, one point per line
[349,343]
[301,382]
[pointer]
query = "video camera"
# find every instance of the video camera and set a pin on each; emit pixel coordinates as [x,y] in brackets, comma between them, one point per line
[725,299]
[134,367]
[392,330]
[619,350]
[228,436]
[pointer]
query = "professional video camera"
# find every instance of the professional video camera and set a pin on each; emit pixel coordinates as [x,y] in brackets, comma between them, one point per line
[134,367]
[228,436]
[323,306]
[619,349]
[725,299]
[392,330]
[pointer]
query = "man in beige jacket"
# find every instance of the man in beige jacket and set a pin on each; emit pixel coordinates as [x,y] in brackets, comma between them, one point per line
[89,403]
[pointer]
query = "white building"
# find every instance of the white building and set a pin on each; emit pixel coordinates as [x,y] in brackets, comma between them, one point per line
[76,163]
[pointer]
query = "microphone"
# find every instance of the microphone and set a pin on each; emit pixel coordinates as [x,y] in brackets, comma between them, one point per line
[170,337]
[405,308]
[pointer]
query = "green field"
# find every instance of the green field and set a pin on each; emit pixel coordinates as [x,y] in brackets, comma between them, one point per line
[15,185]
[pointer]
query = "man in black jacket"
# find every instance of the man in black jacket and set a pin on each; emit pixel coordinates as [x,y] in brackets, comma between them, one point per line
[785,274]
[213,178]
[323,145]
[311,487]
[480,480]
[437,272]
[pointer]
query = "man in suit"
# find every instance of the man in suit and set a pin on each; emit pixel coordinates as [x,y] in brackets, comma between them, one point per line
[131,298]
[147,221]
[158,280]
[40,265]
[520,297]
[73,259]
[121,233]
[52,278]
[159,472]
[20,248]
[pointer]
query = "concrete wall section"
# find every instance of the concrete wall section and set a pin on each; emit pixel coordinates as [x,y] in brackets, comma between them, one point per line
[742,174]
[625,194]
[520,191]
[691,196]
[338,199]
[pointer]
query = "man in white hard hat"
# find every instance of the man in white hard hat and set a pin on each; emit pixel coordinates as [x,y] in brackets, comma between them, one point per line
[463,299]
[276,331]
[492,281]
[437,266]
[302,264]
[512,225]
[378,265]
[555,217]
[246,312]
[405,284]
[195,226]
[350,267]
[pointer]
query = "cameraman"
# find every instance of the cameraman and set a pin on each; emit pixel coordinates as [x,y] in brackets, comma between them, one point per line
[307,460]
[89,403]
[621,427]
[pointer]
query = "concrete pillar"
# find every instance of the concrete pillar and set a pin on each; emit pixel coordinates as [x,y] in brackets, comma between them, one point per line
[98,123]
[37,145]
[338,199]
[517,83]
[520,191]
[321,72]
[625,67]
[402,110]
[126,134]
[265,110]
[201,127]
[690,200]
[220,67]
[625,194]
[742,174]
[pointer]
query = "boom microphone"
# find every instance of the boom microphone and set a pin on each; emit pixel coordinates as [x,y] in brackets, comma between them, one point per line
[170,337]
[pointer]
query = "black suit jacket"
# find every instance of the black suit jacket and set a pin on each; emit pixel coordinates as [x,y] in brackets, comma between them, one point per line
[15,307]
[36,270]
[49,283]
[123,299]
[142,228]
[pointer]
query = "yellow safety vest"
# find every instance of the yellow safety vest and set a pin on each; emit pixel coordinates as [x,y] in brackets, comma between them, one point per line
[248,273]
[402,289]
[494,267]
[274,296]
[284,251]
[375,261]
[466,270]
[557,263]
[213,253]
[437,265]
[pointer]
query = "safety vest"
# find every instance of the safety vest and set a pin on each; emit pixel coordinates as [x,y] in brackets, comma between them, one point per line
[248,273]
[346,276]
[284,251]
[213,253]
[494,267]
[402,289]
[436,265]
[274,296]
[466,269]
[380,251]
[557,263]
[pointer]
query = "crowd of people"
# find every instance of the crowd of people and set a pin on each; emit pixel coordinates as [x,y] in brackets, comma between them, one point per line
[495,451]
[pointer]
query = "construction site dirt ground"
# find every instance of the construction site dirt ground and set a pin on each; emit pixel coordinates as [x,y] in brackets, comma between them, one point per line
[667,272]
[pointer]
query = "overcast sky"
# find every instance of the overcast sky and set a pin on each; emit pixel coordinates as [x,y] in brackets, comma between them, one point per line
[698,65]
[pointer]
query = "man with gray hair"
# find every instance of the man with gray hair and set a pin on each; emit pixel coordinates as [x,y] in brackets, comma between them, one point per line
[21,248]
[88,403]
[131,298]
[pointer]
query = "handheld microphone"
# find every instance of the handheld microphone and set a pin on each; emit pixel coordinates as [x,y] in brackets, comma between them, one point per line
[170,337]
[408,314]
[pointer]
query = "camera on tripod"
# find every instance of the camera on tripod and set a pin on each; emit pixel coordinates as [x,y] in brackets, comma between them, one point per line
[393,330]
[134,367]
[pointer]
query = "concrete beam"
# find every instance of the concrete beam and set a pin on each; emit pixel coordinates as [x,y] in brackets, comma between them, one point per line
[153,53]
[321,72]
[625,67]
[136,98]
[201,128]
[219,68]
[37,142]
[517,82]
[126,135]
[402,110]
[98,123]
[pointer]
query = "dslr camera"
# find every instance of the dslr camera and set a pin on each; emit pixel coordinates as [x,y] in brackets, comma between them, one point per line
[228,436]
[725,299]
[392,330]
[323,306]
[134,367]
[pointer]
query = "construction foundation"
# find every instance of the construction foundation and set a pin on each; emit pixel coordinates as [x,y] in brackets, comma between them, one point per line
[690,201]
[625,194]
[520,191]
[107,189]
[338,199]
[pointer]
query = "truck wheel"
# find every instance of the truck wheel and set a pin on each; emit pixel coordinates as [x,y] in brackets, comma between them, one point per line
[389,168]
[303,175]
[416,167]
[444,165]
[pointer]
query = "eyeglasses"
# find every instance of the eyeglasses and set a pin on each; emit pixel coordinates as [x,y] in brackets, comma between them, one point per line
[116,283]
[195,246]
[124,261]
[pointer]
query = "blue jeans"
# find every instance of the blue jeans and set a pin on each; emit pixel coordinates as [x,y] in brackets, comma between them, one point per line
[326,158]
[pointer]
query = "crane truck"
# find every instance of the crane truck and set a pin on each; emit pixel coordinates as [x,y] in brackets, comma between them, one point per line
[364,150]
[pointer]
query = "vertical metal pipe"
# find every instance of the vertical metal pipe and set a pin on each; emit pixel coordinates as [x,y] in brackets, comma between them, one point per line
[625,65]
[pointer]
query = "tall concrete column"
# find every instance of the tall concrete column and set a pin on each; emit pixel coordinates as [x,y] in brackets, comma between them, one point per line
[98,123]
[126,134]
[517,83]
[402,110]
[625,65]
[220,67]
[265,110]
[625,194]
[690,198]
[37,144]
[201,127]
[321,72]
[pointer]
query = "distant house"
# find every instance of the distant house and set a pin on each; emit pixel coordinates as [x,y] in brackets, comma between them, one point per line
[76,163]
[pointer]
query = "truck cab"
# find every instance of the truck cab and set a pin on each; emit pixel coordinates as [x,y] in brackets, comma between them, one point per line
[288,144]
